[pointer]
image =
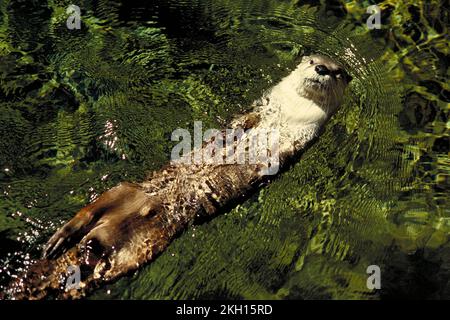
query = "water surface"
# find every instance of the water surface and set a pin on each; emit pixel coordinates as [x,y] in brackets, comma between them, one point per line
[82,110]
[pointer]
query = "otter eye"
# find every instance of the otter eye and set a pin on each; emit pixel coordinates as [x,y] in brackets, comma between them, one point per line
[311,61]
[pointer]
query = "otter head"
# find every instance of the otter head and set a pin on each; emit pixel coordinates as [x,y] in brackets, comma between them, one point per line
[323,81]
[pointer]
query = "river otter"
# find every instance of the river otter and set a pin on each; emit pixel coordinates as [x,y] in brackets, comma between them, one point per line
[131,223]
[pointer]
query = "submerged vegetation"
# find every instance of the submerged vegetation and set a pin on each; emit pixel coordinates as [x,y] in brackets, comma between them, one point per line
[81,110]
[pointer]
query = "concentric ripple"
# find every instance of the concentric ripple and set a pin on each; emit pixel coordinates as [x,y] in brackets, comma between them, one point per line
[82,110]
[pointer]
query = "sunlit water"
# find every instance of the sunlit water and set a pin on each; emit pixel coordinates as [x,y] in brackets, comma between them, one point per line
[82,110]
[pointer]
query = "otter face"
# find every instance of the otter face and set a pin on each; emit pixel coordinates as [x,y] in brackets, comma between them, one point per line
[322,80]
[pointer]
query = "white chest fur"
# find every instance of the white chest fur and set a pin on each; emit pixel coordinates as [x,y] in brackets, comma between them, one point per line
[298,119]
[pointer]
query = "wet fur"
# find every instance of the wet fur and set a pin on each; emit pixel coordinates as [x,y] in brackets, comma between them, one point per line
[131,224]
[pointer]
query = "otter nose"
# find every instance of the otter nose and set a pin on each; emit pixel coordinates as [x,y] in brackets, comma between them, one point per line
[322,70]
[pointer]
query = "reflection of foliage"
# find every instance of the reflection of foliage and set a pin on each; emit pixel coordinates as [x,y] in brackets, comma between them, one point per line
[371,181]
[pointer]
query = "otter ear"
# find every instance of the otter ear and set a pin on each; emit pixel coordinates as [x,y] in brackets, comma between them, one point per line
[305,58]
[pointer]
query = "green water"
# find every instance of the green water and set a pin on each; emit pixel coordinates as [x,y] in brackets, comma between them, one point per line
[81,110]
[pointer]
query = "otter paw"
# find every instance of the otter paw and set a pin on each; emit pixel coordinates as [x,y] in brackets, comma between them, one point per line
[112,207]
[63,235]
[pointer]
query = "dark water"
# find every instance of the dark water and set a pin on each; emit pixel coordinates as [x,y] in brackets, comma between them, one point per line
[81,110]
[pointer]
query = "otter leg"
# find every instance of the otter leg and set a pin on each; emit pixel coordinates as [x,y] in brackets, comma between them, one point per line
[79,224]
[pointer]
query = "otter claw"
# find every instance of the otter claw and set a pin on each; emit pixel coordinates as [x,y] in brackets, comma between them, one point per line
[51,246]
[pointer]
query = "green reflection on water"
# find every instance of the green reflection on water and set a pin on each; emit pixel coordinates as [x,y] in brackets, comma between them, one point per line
[82,110]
